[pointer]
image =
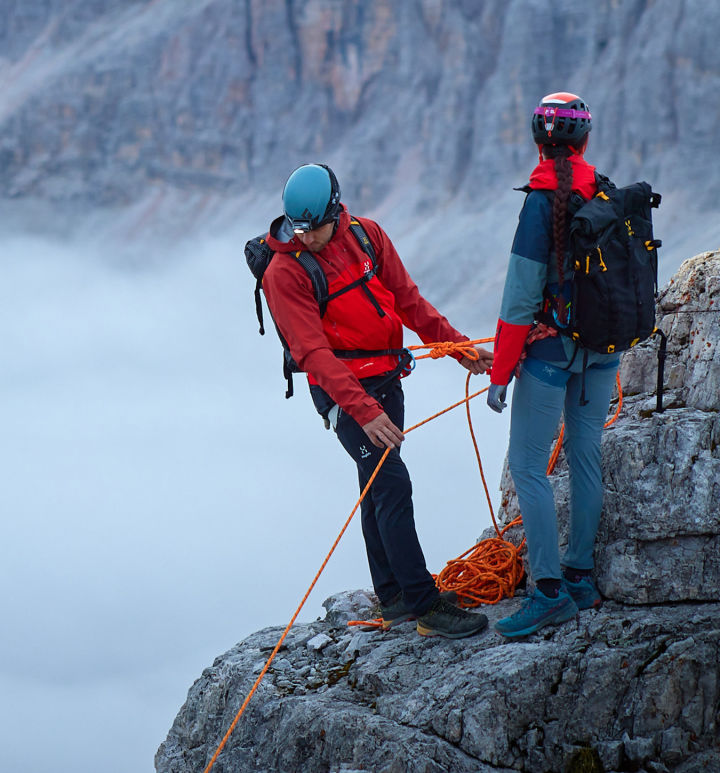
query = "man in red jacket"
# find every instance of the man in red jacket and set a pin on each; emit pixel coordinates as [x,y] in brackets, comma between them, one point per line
[350,354]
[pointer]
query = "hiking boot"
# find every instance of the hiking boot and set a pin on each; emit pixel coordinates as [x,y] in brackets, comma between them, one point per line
[584,593]
[445,619]
[396,611]
[537,611]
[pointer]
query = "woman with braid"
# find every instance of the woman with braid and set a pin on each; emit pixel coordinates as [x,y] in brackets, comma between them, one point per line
[552,372]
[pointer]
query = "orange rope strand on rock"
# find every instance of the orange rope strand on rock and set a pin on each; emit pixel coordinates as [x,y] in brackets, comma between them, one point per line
[450,349]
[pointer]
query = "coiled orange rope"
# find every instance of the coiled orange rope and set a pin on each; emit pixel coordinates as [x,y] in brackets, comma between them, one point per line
[490,570]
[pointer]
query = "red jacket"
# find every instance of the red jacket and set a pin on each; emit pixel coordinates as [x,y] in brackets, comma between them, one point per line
[350,321]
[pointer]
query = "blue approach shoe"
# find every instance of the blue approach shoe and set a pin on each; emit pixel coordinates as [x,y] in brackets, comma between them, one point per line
[537,610]
[584,593]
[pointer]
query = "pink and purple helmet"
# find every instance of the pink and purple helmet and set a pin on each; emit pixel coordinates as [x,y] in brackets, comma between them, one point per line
[561,119]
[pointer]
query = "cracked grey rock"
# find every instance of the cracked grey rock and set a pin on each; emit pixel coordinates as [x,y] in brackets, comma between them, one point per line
[639,681]
[634,683]
[318,642]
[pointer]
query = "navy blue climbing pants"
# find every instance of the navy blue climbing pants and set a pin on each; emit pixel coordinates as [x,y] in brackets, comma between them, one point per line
[541,394]
[396,559]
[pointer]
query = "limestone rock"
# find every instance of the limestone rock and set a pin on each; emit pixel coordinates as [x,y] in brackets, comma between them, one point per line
[103,100]
[636,684]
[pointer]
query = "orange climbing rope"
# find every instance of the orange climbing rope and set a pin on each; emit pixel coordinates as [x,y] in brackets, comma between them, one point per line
[491,569]
[484,574]
[558,443]
[465,348]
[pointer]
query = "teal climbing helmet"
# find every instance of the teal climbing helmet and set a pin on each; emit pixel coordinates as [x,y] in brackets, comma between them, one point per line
[311,197]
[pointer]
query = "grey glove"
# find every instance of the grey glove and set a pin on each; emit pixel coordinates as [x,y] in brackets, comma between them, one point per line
[496,397]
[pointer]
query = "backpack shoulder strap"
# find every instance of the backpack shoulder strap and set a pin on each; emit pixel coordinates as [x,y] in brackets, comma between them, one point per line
[364,241]
[317,277]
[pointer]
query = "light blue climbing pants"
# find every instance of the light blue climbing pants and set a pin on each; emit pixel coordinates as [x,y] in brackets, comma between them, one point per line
[541,394]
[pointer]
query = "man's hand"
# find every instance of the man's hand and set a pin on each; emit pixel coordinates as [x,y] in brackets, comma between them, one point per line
[482,364]
[383,433]
[496,397]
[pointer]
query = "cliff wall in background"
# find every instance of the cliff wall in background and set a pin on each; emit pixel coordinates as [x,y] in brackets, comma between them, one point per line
[104,100]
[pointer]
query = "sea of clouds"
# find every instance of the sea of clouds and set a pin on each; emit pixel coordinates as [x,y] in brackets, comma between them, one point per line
[161,499]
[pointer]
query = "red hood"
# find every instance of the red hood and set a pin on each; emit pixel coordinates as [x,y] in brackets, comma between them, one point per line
[543,177]
[280,230]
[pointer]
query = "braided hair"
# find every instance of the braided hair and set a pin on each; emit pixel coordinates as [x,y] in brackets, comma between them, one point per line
[564,171]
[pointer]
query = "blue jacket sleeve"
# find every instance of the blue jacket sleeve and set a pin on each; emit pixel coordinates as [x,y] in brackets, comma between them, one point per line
[524,284]
[528,267]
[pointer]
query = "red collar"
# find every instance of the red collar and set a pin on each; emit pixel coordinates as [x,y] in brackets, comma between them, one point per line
[543,177]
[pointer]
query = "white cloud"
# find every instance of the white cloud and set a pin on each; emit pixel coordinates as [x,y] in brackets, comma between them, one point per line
[160,497]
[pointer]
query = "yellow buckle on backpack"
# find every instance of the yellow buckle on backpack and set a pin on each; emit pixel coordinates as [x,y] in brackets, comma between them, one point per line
[602,195]
[576,336]
[649,245]
[611,349]
[602,262]
[634,341]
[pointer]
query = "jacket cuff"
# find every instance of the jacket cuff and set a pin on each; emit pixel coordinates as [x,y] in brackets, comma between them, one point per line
[365,413]
[509,343]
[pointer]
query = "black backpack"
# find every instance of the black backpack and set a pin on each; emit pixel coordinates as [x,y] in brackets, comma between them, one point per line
[258,255]
[614,267]
[613,256]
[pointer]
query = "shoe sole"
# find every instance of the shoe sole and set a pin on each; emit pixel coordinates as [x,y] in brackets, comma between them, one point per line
[430,632]
[388,624]
[561,617]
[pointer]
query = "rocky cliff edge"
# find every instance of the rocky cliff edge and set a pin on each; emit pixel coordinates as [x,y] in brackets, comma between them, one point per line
[632,686]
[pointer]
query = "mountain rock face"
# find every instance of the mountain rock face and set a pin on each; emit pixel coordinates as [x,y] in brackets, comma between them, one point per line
[632,686]
[104,101]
